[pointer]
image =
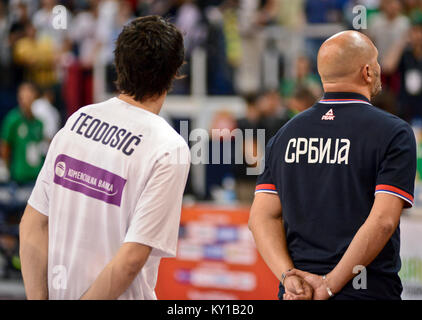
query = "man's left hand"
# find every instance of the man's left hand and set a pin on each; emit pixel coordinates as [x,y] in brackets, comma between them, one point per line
[318,285]
[298,288]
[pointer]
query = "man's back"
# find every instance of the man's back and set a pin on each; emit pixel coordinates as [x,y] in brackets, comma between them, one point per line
[325,165]
[328,163]
[103,182]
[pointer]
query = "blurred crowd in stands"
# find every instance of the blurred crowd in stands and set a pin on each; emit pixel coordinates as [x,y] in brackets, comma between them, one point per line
[46,73]
[58,64]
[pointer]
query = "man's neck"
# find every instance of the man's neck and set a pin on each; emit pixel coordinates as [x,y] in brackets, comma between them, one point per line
[151,105]
[347,87]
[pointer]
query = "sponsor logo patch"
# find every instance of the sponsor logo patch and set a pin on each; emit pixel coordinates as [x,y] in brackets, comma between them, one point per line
[329,115]
[90,180]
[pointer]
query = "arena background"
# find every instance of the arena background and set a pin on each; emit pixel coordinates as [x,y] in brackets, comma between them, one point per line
[249,64]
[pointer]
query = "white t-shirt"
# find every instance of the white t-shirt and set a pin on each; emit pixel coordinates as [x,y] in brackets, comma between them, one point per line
[114,173]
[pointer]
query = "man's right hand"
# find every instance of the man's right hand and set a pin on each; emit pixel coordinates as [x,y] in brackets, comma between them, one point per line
[297,289]
[318,285]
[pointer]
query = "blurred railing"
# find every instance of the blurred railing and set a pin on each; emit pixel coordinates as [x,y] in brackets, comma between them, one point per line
[290,44]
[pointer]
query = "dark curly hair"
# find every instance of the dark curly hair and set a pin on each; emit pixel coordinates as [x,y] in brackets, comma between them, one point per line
[149,52]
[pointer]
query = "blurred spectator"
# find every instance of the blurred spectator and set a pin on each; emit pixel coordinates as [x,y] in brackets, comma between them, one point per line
[37,57]
[21,10]
[304,78]
[370,5]
[274,115]
[390,18]
[412,6]
[112,15]
[245,184]
[221,167]
[56,40]
[43,23]
[244,40]
[251,122]
[189,19]
[324,11]
[388,26]
[21,136]
[406,58]
[43,110]
[4,30]
[301,100]
[291,14]
[252,117]
[410,68]
[19,17]
[223,119]
[265,112]
[387,101]
[79,82]
[6,83]
[247,76]
[223,47]
[82,33]
[321,12]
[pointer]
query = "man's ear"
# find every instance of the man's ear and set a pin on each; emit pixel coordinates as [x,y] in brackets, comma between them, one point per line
[367,73]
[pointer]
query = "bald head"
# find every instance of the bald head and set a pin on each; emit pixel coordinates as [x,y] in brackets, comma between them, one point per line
[344,54]
[348,62]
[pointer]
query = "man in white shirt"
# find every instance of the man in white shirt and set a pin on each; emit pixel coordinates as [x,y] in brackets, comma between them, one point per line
[106,205]
[49,116]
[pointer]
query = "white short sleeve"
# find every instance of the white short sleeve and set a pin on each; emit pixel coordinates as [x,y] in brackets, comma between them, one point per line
[156,219]
[39,198]
[40,195]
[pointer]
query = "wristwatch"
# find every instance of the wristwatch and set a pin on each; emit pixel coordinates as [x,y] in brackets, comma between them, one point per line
[283,277]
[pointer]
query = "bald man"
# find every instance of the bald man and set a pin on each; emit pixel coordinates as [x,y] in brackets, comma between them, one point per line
[327,207]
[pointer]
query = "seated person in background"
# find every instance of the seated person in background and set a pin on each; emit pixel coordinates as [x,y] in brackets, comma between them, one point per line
[273,113]
[21,138]
[252,115]
[301,100]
